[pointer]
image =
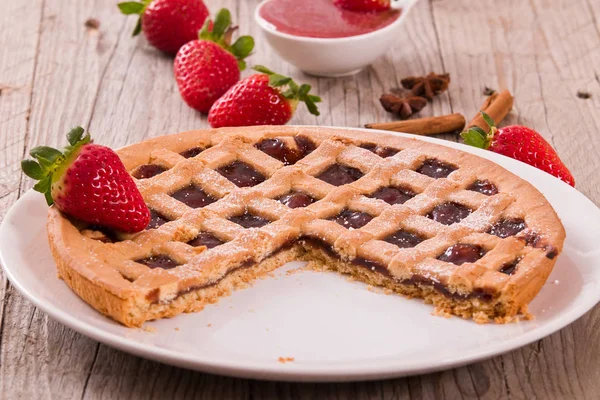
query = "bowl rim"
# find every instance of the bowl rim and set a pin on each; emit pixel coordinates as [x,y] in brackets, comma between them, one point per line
[267,26]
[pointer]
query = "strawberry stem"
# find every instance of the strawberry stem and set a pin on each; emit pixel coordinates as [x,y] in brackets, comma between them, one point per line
[50,163]
[221,31]
[290,89]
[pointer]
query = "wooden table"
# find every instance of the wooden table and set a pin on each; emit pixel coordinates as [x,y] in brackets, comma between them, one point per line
[56,73]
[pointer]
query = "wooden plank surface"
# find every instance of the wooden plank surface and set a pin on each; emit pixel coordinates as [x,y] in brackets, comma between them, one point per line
[56,73]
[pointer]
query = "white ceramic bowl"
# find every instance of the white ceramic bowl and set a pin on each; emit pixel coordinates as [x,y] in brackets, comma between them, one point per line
[333,57]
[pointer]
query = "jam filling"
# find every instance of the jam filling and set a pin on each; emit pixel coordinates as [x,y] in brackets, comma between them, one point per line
[479,293]
[248,220]
[532,239]
[153,296]
[435,168]
[305,145]
[156,220]
[148,171]
[484,187]
[277,148]
[383,152]
[166,262]
[352,219]
[193,196]
[507,227]
[551,252]
[205,239]
[193,152]
[372,265]
[462,253]
[413,280]
[161,261]
[241,174]
[404,239]
[245,265]
[510,268]
[449,213]
[107,235]
[296,200]
[339,175]
[393,195]
[511,227]
[386,152]
[535,240]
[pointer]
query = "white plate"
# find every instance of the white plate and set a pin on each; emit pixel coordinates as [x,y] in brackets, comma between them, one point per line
[334,329]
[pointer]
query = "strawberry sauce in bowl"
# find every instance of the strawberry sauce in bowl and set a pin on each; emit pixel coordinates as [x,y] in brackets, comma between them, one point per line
[321,39]
[322,19]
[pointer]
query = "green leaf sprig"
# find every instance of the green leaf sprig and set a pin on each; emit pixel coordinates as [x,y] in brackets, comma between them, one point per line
[290,89]
[134,7]
[48,162]
[477,137]
[220,32]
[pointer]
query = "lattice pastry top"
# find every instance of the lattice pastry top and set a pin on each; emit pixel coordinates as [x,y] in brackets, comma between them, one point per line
[412,210]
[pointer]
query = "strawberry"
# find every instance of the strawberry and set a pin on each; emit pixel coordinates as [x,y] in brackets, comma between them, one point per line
[363,5]
[260,100]
[521,143]
[167,24]
[208,67]
[88,182]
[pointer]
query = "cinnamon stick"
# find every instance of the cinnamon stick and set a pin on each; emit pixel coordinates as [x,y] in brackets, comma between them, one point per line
[497,106]
[424,126]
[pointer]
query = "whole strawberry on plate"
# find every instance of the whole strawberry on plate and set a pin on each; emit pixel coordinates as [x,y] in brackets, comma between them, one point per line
[363,5]
[521,143]
[167,24]
[88,182]
[261,99]
[206,68]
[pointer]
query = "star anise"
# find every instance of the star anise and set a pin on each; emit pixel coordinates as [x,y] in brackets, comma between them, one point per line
[427,86]
[405,106]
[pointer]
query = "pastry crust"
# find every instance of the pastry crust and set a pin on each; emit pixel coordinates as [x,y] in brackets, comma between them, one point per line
[107,276]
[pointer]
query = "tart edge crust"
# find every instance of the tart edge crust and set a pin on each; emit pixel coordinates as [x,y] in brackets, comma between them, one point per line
[131,314]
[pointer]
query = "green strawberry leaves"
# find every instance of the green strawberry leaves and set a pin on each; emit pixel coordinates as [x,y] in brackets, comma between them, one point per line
[32,169]
[47,161]
[477,137]
[44,186]
[131,7]
[220,32]
[75,135]
[48,154]
[310,101]
[488,120]
[291,90]
[222,23]
[241,49]
[137,8]
[277,80]
[206,33]
[138,27]
[263,69]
